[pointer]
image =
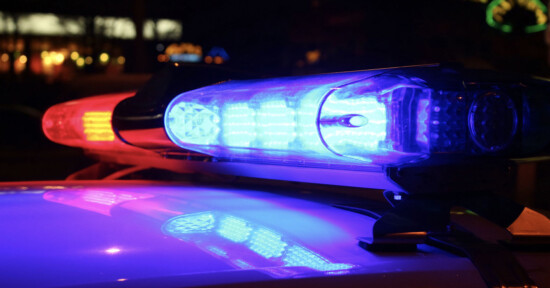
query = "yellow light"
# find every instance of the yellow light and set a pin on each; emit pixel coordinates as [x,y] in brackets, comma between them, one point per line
[97,126]
[183,48]
[23,59]
[47,61]
[53,187]
[121,60]
[80,62]
[506,5]
[74,55]
[208,59]
[218,60]
[541,19]
[43,54]
[89,60]
[59,58]
[5,57]
[103,57]
[313,56]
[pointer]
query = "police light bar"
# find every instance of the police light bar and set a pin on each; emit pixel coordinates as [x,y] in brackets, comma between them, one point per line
[84,123]
[364,118]
[402,129]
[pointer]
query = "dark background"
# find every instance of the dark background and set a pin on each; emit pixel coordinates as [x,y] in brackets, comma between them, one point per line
[273,36]
[266,38]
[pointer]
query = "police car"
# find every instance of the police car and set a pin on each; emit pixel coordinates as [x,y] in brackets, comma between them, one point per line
[379,178]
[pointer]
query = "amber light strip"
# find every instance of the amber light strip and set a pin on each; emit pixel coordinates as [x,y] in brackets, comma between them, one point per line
[97,126]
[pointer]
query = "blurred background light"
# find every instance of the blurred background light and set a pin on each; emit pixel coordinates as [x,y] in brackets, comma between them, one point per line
[111,27]
[42,24]
[162,29]
[74,55]
[80,62]
[121,60]
[104,58]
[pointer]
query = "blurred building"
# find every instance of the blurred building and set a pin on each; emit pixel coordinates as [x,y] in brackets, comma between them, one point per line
[276,37]
[60,46]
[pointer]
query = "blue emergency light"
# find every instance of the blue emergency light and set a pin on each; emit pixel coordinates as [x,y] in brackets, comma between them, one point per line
[364,119]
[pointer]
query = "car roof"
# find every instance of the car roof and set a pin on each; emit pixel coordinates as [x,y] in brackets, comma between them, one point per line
[135,233]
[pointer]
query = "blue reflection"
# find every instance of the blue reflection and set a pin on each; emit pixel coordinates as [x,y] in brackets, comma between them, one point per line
[267,243]
[299,256]
[22,191]
[191,223]
[241,242]
[218,251]
[234,229]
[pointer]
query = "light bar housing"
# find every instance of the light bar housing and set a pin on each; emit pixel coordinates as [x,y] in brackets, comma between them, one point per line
[370,118]
[420,129]
[84,123]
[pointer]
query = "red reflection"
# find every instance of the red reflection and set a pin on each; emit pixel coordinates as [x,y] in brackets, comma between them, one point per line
[96,200]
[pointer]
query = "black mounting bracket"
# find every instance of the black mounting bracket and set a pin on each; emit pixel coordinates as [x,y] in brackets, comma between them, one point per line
[496,264]
[416,219]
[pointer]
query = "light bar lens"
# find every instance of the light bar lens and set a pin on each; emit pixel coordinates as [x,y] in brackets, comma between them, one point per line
[353,117]
[362,119]
[84,123]
[97,126]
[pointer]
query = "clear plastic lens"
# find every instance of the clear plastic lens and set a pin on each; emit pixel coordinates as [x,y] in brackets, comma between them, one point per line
[366,119]
[194,122]
[84,122]
[239,126]
[353,124]
[422,112]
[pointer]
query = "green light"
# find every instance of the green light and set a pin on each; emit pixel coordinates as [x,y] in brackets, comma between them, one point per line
[535,28]
[499,8]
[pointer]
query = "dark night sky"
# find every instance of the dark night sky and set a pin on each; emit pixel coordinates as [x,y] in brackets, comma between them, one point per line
[273,36]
